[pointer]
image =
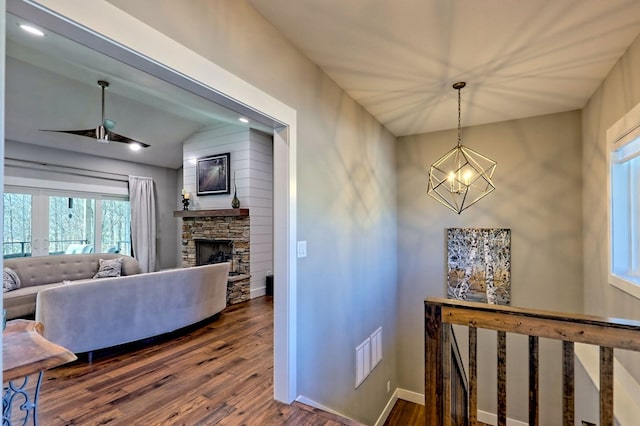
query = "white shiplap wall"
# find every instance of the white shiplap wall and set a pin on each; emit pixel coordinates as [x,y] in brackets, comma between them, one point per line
[260,205]
[252,161]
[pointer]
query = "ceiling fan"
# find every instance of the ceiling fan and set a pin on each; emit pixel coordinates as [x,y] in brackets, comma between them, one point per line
[103,133]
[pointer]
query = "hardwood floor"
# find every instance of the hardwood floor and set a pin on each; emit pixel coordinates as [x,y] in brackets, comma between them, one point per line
[218,372]
[215,373]
[406,414]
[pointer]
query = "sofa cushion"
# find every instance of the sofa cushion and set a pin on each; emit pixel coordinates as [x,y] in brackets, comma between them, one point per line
[109,268]
[22,302]
[54,269]
[10,280]
[37,273]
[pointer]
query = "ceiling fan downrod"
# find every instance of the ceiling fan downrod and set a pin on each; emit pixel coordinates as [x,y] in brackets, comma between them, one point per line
[102,132]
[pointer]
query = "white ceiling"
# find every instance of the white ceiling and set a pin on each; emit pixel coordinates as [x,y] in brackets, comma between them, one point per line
[520,58]
[51,83]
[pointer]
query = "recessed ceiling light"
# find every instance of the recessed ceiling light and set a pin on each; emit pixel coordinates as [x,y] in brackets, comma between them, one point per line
[244,120]
[32,30]
[134,146]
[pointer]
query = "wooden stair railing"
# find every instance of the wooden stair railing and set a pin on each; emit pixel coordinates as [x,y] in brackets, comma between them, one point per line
[440,314]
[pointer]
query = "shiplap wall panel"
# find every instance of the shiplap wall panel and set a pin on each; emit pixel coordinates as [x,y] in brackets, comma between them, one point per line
[262,230]
[252,161]
[261,209]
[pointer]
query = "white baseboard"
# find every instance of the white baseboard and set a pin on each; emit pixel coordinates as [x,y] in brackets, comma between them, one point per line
[387,409]
[492,419]
[312,403]
[418,398]
[257,292]
[407,395]
[410,396]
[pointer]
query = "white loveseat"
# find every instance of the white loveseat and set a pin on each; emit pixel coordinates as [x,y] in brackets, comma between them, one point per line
[87,315]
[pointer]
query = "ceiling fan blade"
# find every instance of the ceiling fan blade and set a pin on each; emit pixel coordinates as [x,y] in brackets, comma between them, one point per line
[114,137]
[89,133]
[103,133]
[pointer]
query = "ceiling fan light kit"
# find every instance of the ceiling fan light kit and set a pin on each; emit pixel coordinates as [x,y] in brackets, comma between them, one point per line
[103,133]
[461,177]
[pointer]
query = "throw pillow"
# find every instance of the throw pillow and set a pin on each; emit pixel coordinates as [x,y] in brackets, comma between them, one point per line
[109,268]
[10,280]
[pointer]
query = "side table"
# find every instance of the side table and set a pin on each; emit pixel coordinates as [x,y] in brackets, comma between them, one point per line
[24,353]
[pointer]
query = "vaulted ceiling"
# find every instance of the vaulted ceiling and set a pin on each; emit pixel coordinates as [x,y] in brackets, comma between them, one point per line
[396,58]
[51,83]
[399,58]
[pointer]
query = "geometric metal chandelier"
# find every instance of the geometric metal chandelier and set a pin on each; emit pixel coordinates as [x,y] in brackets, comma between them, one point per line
[461,177]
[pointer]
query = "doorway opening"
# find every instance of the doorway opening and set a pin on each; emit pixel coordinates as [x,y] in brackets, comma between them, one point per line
[213,84]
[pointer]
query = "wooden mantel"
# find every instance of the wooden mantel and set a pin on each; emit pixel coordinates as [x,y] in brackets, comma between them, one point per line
[211,213]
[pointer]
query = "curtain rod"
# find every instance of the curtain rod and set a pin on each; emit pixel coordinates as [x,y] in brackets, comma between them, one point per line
[46,167]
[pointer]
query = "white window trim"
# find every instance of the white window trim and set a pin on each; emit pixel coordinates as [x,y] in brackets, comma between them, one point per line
[41,190]
[620,133]
[31,183]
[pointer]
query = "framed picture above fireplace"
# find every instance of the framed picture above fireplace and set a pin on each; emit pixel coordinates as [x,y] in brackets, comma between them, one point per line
[213,175]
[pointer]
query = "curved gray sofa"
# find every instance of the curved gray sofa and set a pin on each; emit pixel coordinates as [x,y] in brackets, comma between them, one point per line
[39,273]
[88,315]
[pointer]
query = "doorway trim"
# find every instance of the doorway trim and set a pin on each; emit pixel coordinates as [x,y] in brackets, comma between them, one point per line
[154,52]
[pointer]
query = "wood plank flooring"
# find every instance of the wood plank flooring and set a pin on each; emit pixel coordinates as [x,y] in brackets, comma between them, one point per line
[220,372]
[406,413]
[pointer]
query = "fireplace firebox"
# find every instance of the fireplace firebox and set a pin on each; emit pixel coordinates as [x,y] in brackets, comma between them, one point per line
[214,251]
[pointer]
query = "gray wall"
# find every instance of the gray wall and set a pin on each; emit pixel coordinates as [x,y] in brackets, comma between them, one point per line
[539,197]
[165,182]
[345,197]
[617,94]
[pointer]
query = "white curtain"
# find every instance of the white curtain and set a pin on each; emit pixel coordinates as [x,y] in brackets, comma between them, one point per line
[143,221]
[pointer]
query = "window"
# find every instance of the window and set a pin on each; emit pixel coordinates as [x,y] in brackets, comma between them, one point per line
[116,227]
[40,223]
[17,225]
[624,204]
[71,225]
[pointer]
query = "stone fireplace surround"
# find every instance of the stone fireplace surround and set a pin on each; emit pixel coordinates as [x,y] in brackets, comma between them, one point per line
[225,225]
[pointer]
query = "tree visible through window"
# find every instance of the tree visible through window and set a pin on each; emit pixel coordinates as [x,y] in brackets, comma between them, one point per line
[17,225]
[71,225]
[116,227]
[41,224]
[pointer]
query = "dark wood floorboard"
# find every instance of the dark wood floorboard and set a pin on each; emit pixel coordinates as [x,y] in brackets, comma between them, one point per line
[219,372]
[406,413]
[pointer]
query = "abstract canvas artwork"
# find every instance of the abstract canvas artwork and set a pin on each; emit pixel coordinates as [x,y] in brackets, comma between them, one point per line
[479,265]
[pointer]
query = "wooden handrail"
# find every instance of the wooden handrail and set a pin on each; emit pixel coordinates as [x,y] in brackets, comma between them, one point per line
[608,333]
